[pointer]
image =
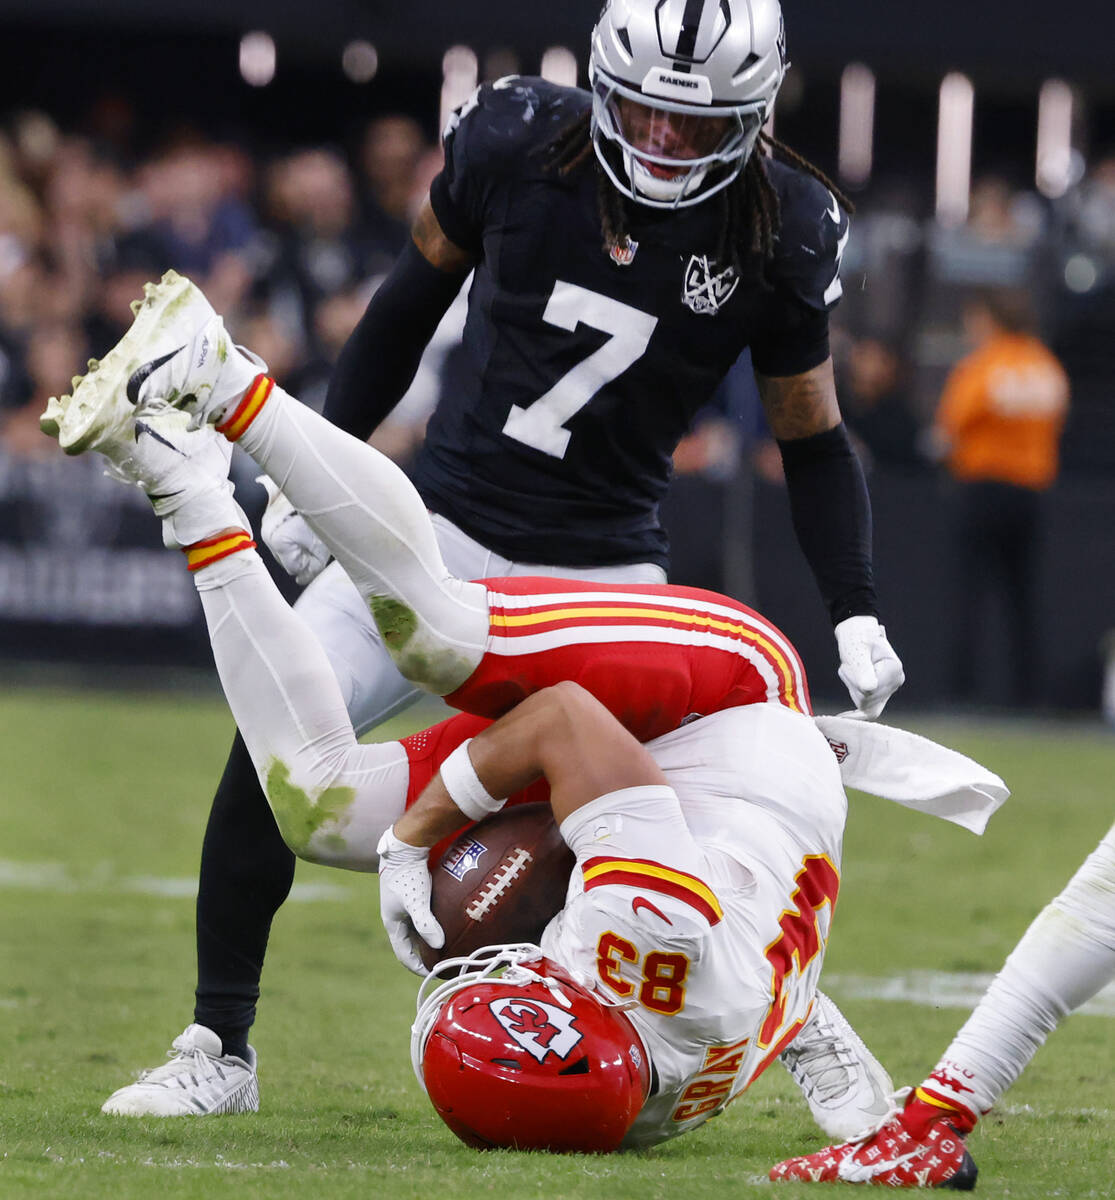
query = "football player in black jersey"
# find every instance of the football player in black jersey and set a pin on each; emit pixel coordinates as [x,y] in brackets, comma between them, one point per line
[626,245]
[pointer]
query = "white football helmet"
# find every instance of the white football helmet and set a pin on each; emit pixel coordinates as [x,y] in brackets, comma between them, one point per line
[680,91]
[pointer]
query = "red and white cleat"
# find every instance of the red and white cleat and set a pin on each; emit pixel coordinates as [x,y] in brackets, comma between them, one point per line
[892,1157]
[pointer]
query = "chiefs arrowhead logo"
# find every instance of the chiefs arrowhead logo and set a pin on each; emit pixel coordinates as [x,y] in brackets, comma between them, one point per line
[538,1027]
[840,749]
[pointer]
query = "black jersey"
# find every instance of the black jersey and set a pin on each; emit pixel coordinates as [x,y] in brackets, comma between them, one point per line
[584,368]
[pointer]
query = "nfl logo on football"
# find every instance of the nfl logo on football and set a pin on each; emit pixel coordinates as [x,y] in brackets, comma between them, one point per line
[464,858]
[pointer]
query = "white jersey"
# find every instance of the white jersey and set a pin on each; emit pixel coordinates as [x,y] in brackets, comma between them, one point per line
[706,906]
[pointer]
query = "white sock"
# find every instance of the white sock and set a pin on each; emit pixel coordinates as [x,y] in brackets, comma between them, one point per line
[332,797]
[1062,960]
[369,515]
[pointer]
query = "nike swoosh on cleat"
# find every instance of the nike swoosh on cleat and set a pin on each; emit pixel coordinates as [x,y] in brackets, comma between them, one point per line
[881,1105]
[850,1171]
[143,427]
[140,375]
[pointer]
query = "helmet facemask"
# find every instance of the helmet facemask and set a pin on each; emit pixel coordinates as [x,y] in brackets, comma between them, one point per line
[489,964]
[668,155]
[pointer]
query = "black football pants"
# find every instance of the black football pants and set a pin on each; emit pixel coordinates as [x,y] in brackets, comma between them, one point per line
[246,874]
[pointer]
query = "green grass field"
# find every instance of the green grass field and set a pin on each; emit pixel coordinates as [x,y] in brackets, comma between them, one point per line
[103,799]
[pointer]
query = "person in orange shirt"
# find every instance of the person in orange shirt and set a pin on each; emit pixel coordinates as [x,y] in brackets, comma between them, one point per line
[998,427]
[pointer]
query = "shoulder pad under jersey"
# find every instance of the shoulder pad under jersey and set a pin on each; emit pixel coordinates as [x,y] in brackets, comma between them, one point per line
[813,235]
[502,122]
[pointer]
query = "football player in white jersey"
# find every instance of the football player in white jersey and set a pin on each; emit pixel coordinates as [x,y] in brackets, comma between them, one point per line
[707,862]
[687,955]
[627,243]
[287,701]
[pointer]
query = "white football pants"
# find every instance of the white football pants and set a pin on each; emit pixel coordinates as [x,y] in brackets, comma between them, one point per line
[386,545]
[292,677]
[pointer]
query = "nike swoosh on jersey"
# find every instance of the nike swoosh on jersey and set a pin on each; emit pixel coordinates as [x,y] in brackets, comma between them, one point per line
[642,902]
[834,212]
[140,374]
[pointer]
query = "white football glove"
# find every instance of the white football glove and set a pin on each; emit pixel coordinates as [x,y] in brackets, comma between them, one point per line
[404,900]
[293,543]
[869,668]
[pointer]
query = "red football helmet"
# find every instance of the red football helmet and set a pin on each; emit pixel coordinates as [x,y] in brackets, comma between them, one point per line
[514,1052]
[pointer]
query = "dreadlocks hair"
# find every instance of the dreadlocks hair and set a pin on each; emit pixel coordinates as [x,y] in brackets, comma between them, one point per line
[751,212]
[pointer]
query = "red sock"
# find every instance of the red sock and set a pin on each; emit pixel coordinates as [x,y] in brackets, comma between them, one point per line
[925,1106]
[202,554]
[236,422]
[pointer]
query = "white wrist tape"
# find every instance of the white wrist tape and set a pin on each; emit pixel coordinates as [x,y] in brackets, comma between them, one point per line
[464,786]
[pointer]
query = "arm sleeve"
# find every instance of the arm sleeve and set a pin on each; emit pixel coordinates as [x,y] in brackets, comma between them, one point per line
[378,362]
[484,142]
[832,517]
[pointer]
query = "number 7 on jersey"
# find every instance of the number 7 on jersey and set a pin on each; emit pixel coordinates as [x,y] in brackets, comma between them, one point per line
[541,425]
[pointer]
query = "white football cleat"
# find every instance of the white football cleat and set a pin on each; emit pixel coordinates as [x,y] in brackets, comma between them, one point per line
[198,1081]
[176,353]
[846,1087]
[184,474]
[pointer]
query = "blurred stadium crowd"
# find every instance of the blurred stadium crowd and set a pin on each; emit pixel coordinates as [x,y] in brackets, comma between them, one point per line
[290,244]
[289,249]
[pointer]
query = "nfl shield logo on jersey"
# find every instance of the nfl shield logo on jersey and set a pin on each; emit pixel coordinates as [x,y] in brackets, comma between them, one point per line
[707,290]
[840,749]
[623,253]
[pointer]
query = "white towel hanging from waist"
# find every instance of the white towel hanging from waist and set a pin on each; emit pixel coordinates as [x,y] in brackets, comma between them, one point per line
[913,771]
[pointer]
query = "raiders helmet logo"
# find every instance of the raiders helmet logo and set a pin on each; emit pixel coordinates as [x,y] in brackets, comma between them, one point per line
[690,30]
[538,1027]
[705,289]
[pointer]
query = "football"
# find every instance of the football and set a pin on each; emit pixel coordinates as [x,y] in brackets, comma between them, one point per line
[500,881]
